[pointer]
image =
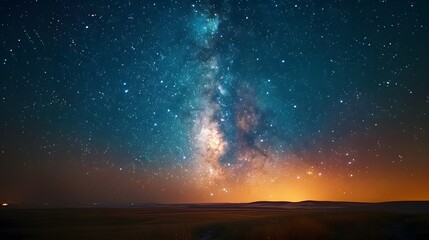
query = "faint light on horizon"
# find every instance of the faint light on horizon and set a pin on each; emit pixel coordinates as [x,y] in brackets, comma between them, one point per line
[5,204]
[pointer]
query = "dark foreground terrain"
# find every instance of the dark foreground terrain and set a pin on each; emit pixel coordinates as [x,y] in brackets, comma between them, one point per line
[260,220]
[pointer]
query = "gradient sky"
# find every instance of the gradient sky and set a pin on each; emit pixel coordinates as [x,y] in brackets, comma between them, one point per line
[213,101]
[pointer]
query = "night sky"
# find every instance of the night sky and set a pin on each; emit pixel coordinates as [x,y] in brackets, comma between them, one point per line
[213,101]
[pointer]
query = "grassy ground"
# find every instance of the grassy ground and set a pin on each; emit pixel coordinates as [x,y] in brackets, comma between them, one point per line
[161,223]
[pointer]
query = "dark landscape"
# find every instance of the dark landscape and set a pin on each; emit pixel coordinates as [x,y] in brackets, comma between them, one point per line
[257,220]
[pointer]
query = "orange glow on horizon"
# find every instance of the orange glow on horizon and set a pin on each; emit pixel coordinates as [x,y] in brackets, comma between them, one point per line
[285,180]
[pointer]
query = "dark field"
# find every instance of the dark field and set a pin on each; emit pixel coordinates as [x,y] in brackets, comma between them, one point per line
[224,221]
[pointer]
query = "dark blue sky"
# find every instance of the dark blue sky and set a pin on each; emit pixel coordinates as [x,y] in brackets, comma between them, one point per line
[221,86]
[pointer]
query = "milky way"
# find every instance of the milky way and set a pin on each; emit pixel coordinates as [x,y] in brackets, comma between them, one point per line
[226,116]
[168,101]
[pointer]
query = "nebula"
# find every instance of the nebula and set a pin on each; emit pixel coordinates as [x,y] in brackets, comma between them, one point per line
[226,136]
